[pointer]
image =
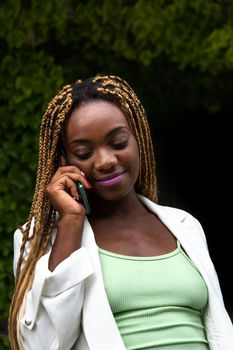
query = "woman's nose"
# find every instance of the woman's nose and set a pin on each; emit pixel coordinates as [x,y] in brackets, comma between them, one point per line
[105,159]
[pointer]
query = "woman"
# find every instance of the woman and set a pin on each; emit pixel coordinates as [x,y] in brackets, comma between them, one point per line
[129,275]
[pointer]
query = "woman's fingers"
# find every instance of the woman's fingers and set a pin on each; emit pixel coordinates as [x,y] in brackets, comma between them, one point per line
[74,173]
[62,194]
[62,190]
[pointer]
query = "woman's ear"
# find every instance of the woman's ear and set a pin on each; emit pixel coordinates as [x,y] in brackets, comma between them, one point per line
[63,161]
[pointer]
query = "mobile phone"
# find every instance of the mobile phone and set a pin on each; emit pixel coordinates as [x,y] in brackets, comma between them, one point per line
[83,197]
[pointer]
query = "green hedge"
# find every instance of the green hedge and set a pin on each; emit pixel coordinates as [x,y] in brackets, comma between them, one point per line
[178,55]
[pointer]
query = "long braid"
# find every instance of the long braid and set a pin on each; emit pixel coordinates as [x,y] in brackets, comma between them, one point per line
[41,215]
[41,219]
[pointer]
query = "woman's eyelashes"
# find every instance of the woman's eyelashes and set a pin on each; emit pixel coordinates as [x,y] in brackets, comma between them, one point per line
[83,156]
[120,145]
[115,145]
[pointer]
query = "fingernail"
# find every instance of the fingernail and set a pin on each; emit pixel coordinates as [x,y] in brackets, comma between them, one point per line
[82,173]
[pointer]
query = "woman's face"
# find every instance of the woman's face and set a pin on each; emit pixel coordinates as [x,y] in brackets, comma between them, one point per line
[98,140]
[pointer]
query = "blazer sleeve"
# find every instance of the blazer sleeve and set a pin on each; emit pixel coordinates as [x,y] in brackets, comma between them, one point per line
[50,315]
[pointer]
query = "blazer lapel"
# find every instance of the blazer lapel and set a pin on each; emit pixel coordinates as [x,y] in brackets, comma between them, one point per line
[99,324]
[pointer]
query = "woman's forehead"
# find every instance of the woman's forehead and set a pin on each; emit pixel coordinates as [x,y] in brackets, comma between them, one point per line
[94,121]
[98,114]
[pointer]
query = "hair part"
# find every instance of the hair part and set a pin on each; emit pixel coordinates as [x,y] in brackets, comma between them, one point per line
[42,215]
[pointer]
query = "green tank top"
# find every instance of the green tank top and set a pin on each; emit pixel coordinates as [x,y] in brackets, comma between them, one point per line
[157,301]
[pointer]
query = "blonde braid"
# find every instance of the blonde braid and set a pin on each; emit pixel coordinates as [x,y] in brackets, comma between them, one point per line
[41,212]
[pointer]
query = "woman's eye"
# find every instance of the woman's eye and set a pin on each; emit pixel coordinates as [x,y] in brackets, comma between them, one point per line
[83,156]
[120,145]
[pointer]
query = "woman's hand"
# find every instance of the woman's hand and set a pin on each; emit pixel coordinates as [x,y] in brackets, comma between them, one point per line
[62,191]
[63,194]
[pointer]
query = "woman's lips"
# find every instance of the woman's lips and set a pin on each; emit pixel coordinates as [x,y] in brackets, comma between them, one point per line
[111,181]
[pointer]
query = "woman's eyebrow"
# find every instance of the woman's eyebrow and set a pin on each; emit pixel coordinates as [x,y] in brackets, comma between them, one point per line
[115,130]
[109,134]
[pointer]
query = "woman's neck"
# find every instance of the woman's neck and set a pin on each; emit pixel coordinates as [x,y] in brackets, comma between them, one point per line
[127,206]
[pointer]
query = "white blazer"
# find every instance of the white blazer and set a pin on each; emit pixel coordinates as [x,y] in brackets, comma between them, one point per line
[68,308]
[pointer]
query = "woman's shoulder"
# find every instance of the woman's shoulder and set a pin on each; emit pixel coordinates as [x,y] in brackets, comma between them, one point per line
[18,234]
[173,216]
[161,209]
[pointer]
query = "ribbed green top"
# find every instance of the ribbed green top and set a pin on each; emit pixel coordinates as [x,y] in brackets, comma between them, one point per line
[156,301]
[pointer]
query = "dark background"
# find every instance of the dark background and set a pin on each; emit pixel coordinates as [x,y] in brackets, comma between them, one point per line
[194,174]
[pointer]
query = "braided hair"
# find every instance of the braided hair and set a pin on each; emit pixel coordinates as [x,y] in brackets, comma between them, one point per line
[41,219]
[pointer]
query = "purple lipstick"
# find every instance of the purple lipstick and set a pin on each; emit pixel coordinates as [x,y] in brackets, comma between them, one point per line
[111,180]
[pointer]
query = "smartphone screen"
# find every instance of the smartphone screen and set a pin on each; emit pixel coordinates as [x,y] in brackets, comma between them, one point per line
[83,197]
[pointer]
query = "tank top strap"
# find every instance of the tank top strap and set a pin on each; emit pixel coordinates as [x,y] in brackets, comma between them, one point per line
[178,245]
[181,249]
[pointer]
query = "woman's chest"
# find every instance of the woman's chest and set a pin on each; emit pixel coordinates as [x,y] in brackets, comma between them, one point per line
[148,237]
